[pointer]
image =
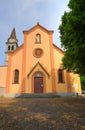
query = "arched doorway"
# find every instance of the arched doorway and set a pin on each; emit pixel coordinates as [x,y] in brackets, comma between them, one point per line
[38,82]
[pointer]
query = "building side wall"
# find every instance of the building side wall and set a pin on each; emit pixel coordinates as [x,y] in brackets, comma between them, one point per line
[16,63]
[71,81]
[3,74]
[60,87]
[75,83]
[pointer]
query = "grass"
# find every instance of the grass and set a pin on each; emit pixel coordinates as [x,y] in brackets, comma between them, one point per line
[42,113]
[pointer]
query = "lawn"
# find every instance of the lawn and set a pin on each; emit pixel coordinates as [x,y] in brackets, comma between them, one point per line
[66,113]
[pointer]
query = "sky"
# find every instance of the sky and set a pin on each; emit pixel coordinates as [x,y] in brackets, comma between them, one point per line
[24,14]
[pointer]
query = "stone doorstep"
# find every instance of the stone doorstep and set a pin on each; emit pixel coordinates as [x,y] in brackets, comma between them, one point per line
[40,95]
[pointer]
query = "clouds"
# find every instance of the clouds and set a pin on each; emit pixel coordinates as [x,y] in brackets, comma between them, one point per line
[23,14]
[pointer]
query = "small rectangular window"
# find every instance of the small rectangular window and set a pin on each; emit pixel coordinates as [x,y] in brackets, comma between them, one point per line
[16,76]
[60,76]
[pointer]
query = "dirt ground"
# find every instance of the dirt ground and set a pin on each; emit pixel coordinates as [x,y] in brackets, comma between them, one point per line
[42,113]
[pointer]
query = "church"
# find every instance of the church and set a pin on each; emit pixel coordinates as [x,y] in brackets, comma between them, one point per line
[35,66]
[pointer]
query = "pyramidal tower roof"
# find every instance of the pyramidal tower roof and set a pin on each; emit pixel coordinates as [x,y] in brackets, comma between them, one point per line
[13,34]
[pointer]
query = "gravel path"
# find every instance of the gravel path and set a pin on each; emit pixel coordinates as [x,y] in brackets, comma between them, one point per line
[42,113]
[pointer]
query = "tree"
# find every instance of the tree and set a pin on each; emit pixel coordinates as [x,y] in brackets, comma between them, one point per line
[72,35]
[82,82]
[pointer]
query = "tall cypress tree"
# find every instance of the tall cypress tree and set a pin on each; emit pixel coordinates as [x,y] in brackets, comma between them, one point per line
[72,35]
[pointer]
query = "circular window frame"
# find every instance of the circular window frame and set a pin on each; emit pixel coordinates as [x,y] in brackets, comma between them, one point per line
[36,52]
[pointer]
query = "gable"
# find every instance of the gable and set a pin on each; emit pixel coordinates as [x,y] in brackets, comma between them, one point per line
[40,67]
[38,26]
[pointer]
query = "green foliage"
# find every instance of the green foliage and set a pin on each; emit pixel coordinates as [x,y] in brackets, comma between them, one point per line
[72,34]
[83,82]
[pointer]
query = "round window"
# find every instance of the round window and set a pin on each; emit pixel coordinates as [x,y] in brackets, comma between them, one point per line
[38,52]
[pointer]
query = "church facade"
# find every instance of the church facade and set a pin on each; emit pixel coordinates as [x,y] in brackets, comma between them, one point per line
[36,65]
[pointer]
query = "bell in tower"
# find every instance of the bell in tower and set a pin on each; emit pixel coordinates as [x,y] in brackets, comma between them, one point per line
[11,45]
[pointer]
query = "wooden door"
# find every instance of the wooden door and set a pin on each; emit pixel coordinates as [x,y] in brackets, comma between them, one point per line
[38,84]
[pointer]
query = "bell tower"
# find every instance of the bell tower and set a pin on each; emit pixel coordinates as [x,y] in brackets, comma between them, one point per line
[11,45]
